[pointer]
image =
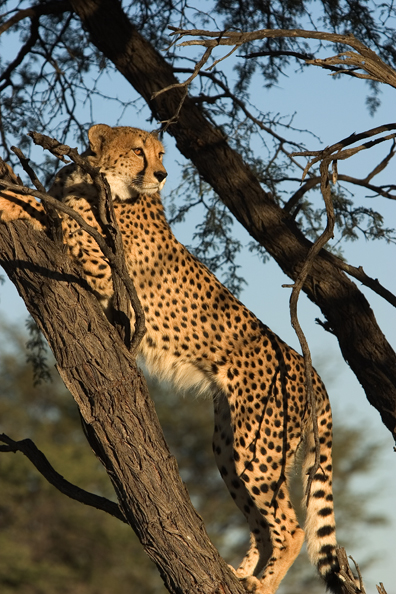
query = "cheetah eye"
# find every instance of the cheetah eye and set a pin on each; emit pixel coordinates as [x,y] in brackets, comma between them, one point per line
[161,155]
[138,151]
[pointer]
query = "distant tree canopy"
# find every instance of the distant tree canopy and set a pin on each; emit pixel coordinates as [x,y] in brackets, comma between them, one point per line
[61,55]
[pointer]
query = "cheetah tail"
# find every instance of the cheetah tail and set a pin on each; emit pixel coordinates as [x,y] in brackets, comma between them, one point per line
[320,522]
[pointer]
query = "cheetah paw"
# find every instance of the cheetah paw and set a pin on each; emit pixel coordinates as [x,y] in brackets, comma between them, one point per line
[253,585]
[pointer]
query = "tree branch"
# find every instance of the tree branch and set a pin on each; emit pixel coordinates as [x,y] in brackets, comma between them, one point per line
[355,272]
[37,458]
[339,152]
[34,12]
[360,275]
[23,52]
[277,53]
[242,105]
[362,58]
[298,285]
[346,574]
[114,403]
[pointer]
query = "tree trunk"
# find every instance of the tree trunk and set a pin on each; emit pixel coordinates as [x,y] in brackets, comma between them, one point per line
[348,313]
[120,418]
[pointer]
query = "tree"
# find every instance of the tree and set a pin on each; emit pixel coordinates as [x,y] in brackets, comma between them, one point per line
[48,70]
[51,543]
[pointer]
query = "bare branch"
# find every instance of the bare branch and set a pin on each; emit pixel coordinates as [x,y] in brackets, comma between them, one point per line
[379,190]
[363,58]
[334,153]
[277,53]
[338,147]
[56,7]
[55,225]
[303,189]
[30,450]
[298,285]
[360,275]
[383,164]
[355,272]
[347,62]
[346,575]
[197,68]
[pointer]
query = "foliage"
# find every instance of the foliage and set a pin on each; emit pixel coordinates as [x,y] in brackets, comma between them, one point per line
[52,544]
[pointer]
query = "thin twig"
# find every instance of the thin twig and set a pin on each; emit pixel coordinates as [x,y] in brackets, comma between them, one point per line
[185,83]
[55,221]
[227,93]
[363,58]
[30,450]
[56,7]
[346,576]
[166,123]
[23,52]
[312,253]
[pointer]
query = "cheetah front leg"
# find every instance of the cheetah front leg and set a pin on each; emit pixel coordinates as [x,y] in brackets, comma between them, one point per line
[223,447]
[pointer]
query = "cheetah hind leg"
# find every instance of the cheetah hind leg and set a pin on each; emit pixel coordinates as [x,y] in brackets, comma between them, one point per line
[274,570]
[272,549]
[272,559]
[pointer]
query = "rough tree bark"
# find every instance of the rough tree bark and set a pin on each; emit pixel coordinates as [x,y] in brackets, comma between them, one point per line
[117,410]
[345,308]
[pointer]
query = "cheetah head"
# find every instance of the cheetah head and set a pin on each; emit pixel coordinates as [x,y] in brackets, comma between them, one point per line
[130,158]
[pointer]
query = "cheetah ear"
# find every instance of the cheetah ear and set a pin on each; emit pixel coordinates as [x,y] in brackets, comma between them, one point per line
[97,136]
[157,133]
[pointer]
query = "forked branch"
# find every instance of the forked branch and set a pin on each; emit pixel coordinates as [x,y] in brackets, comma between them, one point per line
[346,575]
[339,152]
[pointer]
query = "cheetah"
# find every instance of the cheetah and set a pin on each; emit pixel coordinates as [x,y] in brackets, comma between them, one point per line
[200,336]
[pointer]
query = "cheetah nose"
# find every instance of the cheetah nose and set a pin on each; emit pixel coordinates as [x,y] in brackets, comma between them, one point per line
[160,175]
